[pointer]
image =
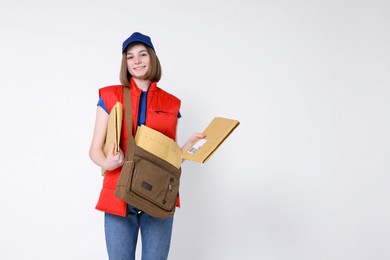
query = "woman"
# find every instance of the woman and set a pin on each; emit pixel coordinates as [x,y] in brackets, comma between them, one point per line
[152,106]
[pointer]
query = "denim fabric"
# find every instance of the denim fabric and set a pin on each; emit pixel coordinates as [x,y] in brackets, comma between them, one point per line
[122,235]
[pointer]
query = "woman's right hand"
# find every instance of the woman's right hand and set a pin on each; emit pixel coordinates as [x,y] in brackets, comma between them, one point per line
[113,160]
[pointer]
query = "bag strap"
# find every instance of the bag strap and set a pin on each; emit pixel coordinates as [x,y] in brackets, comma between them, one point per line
[129,124]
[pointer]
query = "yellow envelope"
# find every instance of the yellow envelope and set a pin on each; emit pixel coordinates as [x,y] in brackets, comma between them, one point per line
[216,133]
[159,145]
[114,127]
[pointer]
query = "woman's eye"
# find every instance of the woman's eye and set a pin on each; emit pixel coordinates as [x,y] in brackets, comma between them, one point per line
[129,57]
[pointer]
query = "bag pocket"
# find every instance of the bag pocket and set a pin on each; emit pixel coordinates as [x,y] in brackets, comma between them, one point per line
[154,183]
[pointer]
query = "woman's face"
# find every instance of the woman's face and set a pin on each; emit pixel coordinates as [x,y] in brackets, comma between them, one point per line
[138,61]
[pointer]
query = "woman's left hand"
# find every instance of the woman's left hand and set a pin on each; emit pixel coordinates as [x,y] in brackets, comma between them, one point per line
[191,141]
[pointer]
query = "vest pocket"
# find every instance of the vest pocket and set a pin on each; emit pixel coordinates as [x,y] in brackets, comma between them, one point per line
[164,121]
[165,113]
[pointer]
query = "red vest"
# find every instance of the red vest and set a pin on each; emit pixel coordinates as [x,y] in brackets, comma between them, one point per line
[161,114]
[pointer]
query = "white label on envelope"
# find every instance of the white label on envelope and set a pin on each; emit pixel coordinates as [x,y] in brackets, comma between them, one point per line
[197,146]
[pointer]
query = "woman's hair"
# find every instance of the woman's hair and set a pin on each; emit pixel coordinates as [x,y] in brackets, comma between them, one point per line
[153,74]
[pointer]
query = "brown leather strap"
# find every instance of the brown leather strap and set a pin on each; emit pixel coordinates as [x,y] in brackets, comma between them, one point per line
[129,124]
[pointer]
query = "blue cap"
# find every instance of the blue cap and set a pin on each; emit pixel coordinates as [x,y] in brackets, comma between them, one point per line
[137,37]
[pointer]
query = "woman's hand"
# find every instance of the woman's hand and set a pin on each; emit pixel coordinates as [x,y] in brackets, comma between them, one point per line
[113,160]
[191,141]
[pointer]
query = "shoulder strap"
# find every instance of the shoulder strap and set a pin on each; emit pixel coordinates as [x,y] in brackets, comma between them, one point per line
[129,124]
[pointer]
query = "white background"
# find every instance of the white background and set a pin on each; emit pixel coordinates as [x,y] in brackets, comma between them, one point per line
[305,175]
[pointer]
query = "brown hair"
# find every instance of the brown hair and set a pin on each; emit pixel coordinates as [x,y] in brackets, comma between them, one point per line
[153,74]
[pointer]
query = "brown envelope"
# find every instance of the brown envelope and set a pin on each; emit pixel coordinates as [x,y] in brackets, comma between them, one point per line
[114,127]
[159,145]
[216,132]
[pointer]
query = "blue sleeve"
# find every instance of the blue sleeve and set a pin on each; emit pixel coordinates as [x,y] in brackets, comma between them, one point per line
[102,105]
[179,115]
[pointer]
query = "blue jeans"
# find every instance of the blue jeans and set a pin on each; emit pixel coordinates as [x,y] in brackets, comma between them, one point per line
[122,235]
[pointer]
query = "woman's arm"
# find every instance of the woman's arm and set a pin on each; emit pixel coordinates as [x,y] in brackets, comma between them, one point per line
[111,161]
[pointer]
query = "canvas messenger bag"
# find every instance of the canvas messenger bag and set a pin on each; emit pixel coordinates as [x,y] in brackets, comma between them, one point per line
[146,181]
